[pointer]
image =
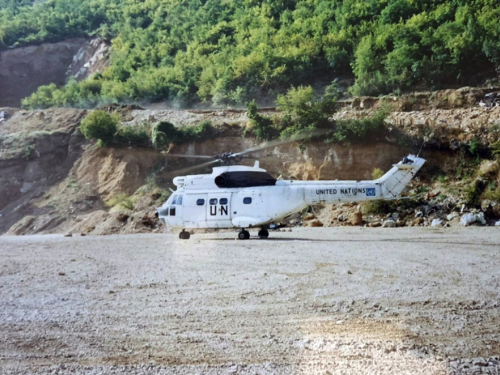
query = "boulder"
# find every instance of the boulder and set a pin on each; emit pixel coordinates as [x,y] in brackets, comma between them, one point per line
[389,224]
[357,218]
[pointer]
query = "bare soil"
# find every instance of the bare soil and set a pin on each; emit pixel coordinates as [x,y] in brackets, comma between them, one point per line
[316,300]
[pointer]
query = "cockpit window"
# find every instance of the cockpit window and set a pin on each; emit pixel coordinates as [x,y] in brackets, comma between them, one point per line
[177,200]
[200,202]
[223,201]
[247,200]
[213,201]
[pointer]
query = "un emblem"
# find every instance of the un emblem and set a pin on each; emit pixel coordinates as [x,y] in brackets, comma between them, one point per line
[370,192]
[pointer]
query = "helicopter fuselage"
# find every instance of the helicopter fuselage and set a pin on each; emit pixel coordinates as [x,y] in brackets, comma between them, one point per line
[243,197]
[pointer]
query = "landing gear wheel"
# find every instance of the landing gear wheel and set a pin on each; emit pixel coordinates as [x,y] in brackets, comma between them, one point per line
[184,235]
[263,233]
[244,235]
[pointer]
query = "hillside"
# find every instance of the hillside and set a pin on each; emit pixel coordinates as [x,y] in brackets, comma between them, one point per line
[53,180]
[229,52]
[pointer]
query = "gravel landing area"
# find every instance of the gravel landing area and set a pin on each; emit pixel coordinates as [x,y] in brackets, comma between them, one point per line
[313,301]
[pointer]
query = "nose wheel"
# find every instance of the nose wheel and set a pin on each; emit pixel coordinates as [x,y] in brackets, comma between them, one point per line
[184,235]
[243,235]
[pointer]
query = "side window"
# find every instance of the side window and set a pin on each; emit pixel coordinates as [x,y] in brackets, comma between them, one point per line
[179,200]
[200,202]
[223,201]
[174,201]
[172,211]
[247,200]
[213,201]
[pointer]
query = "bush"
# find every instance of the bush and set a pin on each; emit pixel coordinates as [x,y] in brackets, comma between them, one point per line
[121,200]
[378,206]
[303,114]
[354,130]
[100,125]
[474,192]
[204,130]
[262,126]
[164,133]
[377,173]
[137,136]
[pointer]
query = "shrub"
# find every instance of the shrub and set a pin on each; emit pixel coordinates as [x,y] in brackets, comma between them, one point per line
[354,130]
[377,173]
[137,136]
[200,132]
[100,125]
[474,192]
[165,133]
[262,126]
[121,200]
[303,114]
[378,206]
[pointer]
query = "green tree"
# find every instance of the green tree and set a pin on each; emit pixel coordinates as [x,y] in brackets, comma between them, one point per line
[100,125]
[303,114]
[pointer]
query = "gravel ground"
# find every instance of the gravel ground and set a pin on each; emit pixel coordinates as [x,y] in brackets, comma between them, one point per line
[316,300]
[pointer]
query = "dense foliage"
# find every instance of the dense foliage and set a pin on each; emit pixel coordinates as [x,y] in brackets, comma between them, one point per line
[230,51]
[101,126]
[303,116]
[105,127]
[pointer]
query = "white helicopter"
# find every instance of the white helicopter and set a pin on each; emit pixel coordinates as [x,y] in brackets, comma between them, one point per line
[238,196]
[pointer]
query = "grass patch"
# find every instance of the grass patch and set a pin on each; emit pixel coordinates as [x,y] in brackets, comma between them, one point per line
[121,200]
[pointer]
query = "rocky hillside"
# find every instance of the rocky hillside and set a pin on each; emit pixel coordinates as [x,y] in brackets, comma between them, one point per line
[53,180]
[24,69]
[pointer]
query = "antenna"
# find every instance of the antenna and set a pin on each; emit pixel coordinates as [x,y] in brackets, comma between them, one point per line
[421,147]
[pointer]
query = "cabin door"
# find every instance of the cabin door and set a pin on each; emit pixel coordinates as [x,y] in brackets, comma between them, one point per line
[219,210]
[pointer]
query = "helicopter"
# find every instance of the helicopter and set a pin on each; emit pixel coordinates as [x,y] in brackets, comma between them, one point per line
[243,197]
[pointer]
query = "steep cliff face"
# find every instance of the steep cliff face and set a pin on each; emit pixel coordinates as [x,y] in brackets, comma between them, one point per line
[319,160]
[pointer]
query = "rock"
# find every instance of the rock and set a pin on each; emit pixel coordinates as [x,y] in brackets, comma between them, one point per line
[341,218]
[316,223]
[357,218]
[480,362]
[309,217]
[418,221]
[69,234]
[419,214]
[497,224]
[436,223]
[122,217]
[400,223]
[147,221]
[375,224]
[471,218]
[451,216]
[389,224]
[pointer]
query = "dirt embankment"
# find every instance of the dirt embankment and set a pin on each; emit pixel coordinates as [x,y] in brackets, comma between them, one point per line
[53,180]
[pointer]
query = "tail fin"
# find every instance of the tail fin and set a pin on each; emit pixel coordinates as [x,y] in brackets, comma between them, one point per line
[393,182]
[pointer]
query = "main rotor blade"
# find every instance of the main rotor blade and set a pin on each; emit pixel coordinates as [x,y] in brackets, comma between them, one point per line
[277,142]
[184,171]
[169,155]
